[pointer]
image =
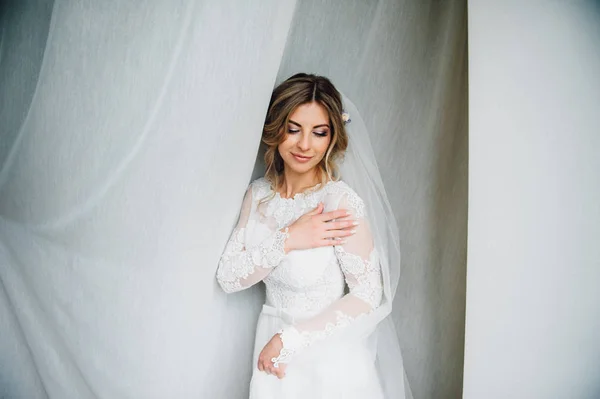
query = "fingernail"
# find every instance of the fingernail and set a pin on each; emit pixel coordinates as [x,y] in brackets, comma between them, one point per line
[355,223]
[353,231]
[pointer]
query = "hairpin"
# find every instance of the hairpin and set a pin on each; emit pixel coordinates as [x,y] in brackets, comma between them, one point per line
[346,117]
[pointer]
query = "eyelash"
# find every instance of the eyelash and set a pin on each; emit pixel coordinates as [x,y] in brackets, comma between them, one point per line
[320,134]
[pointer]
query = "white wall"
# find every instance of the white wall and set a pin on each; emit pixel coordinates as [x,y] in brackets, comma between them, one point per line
[533,274]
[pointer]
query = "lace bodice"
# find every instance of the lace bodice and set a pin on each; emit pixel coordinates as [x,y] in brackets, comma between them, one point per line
[308,282]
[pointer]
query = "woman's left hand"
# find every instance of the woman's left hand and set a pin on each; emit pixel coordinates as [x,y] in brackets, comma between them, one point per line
[271,350]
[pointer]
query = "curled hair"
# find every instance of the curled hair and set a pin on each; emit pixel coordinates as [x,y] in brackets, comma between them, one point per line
[298,90]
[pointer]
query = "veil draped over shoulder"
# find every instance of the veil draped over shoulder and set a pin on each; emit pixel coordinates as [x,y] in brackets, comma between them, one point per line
[359,170]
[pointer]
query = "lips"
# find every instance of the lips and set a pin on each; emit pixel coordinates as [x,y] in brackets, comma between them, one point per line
[301,158]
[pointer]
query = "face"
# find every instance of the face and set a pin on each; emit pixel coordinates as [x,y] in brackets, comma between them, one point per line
[308,135]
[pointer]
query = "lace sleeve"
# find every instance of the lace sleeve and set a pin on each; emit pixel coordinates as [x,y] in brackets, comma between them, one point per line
[359,263]
[242,266]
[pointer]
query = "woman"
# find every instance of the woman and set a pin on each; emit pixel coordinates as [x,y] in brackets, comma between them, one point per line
[304,233]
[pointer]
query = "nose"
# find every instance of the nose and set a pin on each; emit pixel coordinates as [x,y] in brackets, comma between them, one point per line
[304,142]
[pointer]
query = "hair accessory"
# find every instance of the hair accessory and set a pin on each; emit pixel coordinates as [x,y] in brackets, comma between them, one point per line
[346,117]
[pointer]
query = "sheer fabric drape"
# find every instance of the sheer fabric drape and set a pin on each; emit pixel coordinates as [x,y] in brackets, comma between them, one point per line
[127,139]
[112,197]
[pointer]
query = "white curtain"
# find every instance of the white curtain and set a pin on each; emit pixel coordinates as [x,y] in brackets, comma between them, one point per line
[128,136]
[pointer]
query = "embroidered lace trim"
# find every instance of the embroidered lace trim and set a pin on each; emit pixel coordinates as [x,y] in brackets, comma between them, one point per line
[294,340]
[237,264]
[286,210]
[366,281]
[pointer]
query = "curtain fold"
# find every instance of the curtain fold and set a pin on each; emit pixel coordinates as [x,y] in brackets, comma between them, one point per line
[112,200]
[128,135]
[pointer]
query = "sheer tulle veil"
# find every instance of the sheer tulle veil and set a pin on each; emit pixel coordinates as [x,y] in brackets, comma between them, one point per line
[359,170]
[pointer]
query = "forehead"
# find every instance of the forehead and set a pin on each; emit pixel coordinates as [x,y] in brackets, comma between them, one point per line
[308,113]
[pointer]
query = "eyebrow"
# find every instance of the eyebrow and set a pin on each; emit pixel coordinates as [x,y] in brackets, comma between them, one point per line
[299,125]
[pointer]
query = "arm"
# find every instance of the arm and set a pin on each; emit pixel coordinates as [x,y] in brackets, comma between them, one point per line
[362,272]
[240,266]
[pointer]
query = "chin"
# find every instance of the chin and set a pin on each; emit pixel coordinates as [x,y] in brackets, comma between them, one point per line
[302,170]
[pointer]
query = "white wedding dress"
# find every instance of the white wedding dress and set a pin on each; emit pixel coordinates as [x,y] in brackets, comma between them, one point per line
[314,297]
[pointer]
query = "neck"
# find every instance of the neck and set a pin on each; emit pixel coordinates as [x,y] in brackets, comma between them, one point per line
[294,183]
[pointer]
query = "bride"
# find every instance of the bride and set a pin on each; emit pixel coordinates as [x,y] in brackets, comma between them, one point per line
[330,273]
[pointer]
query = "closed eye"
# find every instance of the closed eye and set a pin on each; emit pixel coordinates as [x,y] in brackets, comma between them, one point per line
[293,131]
[320,134]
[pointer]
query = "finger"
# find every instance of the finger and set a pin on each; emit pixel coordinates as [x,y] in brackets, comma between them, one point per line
[267,368]
[260,365]
[282,367]
[349,217]
[317,210]
[339,225]
[277,371]
[280,374]
[338,213]
[273,370]
[348,228]
[340,233]
[331,243]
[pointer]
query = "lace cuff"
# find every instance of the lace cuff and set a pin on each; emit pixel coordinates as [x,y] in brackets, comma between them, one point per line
[290,339]
[295,340]
[238,265]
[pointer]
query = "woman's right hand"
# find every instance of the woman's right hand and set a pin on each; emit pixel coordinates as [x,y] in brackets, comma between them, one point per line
[317,229]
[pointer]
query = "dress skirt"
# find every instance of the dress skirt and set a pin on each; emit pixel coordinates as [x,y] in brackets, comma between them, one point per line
[331,369]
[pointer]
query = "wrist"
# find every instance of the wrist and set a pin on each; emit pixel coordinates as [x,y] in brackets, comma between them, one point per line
[291,339]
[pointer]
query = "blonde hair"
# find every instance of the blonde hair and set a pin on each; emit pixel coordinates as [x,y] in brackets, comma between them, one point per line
[298,90]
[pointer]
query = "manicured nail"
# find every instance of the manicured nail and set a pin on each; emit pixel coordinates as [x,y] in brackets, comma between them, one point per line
[352,231]
[355,223]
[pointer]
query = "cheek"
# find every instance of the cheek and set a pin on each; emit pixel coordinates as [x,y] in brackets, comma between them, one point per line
[322,146]
[286,144]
